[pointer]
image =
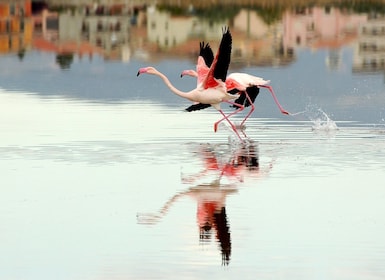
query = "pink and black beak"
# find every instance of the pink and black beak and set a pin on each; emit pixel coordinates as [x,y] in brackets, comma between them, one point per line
[141,71]
[183,73]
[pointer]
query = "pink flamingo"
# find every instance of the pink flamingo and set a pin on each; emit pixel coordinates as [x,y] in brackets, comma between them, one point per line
[206,57]
[211,89]
[236,83]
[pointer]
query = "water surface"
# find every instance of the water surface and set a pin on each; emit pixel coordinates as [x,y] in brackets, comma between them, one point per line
[104,176]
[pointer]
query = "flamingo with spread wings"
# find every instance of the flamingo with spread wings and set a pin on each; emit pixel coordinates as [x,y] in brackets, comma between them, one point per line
[211,89]
[247,86]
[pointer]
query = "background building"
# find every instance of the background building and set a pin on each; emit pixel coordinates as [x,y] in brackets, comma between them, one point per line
[369,53]
[16,25]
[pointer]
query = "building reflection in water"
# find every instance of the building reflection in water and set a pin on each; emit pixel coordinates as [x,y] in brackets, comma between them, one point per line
[222,170]
[262,36]
[86,30]
[369,52]
[262,41]
[16,27]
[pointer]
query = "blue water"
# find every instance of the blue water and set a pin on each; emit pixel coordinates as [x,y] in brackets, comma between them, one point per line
[104,176]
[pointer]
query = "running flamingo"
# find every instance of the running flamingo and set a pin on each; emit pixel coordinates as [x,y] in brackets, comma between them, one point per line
[211,89]
[236,83]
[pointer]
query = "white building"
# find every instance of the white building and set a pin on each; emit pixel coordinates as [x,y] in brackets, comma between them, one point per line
[111,33]
[168,31]
[369,54]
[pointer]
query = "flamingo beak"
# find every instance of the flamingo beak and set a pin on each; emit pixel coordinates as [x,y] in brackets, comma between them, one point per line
[184,73]
[141,70]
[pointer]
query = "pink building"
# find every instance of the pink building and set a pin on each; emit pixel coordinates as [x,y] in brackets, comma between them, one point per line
[320,27]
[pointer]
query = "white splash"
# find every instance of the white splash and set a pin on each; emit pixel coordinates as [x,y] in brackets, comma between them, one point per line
[323,122]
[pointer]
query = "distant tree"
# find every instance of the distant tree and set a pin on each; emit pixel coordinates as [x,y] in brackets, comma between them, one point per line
[21,54]
[363,6]
[270,14]
[64,60]
[218,13]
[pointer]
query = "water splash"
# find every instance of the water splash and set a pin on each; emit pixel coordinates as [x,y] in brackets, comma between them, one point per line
[148,218]
[322,122]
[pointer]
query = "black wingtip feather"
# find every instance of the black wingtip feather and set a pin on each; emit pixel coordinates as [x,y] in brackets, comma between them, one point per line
[196,107]
[252,91]
[224,55]
[206,52]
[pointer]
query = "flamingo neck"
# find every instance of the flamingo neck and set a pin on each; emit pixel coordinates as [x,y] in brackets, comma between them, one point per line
[176,91]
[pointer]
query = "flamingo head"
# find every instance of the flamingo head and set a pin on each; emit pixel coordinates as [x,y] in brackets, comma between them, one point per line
[191,73]
[148,70]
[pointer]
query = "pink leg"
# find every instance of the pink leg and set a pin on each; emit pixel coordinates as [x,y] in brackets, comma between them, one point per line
[283,111]
[231,124]
[240,108]
[251,110]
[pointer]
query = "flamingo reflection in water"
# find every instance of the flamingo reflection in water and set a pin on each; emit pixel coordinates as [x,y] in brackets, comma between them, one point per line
[227,165]
[211,197]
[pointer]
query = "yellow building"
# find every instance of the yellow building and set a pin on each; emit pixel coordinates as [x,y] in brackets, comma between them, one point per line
[16,25]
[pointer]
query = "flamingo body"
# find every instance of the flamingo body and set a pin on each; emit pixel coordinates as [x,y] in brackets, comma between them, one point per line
[241,81]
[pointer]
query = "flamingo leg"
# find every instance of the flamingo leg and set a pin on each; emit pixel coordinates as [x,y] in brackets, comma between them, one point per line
[240,108]
[283,111]
[251,110]
[227,119]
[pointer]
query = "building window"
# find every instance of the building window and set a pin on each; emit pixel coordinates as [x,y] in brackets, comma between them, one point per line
[21,25]
[310,27]
[84,27]
[118,26]
[99,26]
[8,26]
[99,42]
[12,9]
[298,40]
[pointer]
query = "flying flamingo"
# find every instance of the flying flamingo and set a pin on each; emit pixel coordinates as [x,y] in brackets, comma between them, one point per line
[212,88]
[205,58]
[236,83]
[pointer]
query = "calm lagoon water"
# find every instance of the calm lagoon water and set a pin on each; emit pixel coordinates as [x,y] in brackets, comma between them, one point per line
[104,176]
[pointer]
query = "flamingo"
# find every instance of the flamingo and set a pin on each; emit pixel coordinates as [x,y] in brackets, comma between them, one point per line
[211,89]
[247,86]
[205,58]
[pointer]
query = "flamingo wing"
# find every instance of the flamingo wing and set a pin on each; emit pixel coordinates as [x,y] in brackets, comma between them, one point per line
[223,57]
[205,60]
[197,106]
[221,62]
[252,91]
[202,70]
[218,65]
[206,53]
